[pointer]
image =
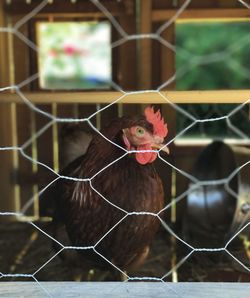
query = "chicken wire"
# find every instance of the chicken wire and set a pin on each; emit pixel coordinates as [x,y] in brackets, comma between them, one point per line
[53,119]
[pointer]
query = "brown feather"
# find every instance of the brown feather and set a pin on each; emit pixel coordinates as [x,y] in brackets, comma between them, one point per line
[125,184]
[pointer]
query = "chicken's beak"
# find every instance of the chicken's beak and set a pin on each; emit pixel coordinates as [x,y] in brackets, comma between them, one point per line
[161,147]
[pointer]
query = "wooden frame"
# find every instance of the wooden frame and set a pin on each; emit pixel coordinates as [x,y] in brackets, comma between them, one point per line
[151,13]
[88,12]
[209,13]
[34,65]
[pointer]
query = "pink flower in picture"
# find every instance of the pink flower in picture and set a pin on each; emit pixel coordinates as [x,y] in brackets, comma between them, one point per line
[69,50]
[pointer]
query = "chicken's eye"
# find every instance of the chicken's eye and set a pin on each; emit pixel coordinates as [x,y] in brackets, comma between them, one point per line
[140,131]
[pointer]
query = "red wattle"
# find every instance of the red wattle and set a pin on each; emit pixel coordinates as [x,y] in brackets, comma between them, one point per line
[145,157]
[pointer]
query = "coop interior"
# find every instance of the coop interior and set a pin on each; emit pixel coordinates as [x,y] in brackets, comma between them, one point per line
[92,61]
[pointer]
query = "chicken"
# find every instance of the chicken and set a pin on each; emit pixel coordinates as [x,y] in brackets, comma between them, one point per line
[95,212]
[74,142]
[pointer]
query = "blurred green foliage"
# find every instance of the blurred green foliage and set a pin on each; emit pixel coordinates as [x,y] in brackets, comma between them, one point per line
[210,56]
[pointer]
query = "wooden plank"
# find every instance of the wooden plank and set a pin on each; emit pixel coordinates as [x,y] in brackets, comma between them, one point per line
[148,97]
[65,7]
[6,126]
[6,161]
[163,15]
[198,4]
[4,55]
[20,55]
[20,68]
[71,15]
[126,62]
[125,290]
[13,132]
[145,46]
[25,166]
[166,69]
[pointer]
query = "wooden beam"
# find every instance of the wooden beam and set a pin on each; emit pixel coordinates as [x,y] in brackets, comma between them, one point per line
[71,15]
[198,4]
[147,97]
[65,7]
[124,289]
[163,15]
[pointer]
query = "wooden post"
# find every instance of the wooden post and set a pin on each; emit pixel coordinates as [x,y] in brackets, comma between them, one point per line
[167,72]
[167,69]
[145,46]
[127,64]
[6,157]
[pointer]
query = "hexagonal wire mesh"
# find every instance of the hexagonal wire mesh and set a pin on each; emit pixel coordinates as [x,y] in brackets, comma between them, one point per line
[198,182]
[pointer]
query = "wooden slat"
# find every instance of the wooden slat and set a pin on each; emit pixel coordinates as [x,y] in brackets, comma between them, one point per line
[20,66]
[6,160]
[4,55]
[25,166]
[215,96]
[71,15]
[127,66]
[145,46]
[162,15]
[126,62]
[66,6]
[6,157]
[198,4]
[124,290]
[20,55]
[166,70]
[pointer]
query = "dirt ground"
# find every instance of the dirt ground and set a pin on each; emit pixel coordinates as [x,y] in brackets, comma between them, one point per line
[24,250]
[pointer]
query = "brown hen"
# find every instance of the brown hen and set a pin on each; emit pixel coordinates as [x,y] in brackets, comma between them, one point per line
[101,212]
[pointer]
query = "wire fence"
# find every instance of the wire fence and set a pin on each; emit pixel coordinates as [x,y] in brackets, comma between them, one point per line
[52,119]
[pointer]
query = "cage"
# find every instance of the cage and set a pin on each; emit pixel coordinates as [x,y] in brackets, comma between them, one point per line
[66,69]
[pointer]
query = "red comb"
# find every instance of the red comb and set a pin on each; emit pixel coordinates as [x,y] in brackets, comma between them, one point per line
[160,128]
